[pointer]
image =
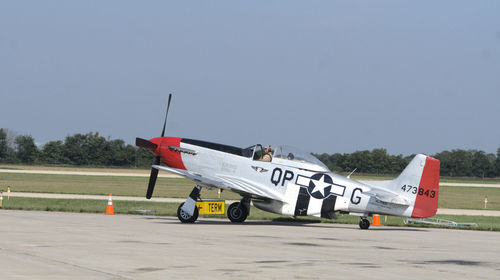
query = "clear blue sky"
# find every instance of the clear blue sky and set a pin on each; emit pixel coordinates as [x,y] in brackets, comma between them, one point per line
[326,76]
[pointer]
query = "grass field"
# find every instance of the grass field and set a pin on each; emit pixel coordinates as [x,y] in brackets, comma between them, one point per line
[449,196]
[170,209]
[102,185]
[469,198]
[357,176]
[472,180]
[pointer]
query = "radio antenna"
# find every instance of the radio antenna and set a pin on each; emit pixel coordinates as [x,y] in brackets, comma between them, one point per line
[349,176]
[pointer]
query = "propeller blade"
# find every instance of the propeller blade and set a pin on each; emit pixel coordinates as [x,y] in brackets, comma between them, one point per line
[147,144]
[165,122]
[152,179]
[139,142]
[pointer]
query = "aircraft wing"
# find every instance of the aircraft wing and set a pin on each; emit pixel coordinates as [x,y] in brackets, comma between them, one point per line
[213,183]
[231,183]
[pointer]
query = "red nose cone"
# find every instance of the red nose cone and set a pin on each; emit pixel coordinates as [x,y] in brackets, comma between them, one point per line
[168,157]
[157,141]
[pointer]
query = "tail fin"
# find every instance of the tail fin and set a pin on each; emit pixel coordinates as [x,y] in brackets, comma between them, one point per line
[421,178]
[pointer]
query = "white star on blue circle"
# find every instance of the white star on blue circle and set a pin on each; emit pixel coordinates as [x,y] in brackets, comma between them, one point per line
[320,186]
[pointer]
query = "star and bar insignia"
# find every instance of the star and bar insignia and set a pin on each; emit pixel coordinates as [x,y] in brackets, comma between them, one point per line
[320,185]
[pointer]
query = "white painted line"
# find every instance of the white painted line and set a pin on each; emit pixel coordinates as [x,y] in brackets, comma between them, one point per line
[475,185]
[468,212]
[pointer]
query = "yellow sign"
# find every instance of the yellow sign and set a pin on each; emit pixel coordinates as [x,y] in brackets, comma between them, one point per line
[211,207]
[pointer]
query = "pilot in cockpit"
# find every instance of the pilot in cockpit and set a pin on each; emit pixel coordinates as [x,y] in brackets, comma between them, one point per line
[268,154]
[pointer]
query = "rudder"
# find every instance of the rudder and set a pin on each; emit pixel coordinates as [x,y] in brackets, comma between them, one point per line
[426,202]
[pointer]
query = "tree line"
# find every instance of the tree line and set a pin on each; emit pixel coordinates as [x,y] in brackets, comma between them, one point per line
[454,163]
[89,149]
[92,149]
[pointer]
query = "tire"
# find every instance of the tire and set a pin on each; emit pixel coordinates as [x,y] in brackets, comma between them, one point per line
[185,217]
[364,224]
[237,212]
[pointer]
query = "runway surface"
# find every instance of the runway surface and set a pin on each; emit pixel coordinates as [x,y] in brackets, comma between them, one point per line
[53,245]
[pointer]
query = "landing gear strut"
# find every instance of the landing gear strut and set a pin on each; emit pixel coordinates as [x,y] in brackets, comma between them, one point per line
[364,223]
[238,211]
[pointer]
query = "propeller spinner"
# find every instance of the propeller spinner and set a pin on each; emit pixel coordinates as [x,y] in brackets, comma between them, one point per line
[153,146]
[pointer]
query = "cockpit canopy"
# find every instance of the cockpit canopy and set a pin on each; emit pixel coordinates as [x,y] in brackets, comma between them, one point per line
[293,154]
[287,155]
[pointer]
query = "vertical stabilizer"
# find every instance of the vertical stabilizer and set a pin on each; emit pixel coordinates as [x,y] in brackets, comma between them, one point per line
[419,182]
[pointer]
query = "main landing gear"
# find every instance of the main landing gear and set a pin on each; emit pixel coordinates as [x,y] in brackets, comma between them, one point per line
[364,223]
[238,211]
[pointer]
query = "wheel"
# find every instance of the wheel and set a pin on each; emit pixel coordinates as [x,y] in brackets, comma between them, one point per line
[237,212]
[364,224]
[185,217]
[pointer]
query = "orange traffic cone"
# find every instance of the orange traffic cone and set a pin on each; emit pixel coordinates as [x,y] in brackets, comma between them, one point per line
[109,209]
[376,221]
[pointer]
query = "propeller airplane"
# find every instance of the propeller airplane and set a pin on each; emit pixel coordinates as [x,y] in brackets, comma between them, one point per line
[284,180]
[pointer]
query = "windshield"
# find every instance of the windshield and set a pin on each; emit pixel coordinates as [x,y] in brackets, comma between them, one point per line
[295,154]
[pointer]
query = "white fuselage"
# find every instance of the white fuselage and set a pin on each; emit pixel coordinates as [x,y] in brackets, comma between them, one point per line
[288,187]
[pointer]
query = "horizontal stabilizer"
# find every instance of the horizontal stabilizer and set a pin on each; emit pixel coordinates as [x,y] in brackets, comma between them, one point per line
[388,197]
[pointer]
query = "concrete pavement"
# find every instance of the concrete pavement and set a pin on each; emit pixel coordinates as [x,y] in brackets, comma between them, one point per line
[53,245]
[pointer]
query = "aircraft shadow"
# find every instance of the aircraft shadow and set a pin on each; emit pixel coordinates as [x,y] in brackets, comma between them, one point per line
[292,223]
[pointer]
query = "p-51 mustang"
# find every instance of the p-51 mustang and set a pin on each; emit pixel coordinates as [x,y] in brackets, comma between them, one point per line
[290,182]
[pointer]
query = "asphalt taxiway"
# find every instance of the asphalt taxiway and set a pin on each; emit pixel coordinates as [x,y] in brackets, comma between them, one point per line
[53,245]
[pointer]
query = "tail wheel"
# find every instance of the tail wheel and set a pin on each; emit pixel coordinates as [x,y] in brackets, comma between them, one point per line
[185,217]
[364,224]
[237,212]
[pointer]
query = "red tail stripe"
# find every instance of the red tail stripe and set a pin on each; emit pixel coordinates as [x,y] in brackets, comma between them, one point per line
[426,203]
